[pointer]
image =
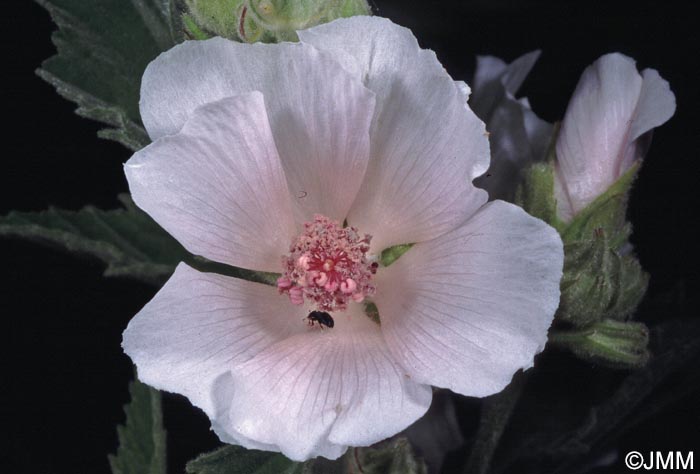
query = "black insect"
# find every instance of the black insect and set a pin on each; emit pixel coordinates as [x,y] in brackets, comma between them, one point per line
[320,317]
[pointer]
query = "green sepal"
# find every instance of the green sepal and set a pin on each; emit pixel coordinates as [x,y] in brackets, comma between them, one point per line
[238,460]
[127,240]
[142,438]
[590,283]
[392,254]
[536,194]
[372,312]
[390,457]
[608,212]
[633,286]
[103,48]
[598,282]
[615,344]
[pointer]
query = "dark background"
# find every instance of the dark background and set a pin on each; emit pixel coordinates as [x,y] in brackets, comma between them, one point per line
[64,375]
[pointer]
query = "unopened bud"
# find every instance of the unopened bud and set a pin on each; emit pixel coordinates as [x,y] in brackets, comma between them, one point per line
[598,282]
[611,343]
[601,280]
[608,212]
[212,18]
[264,20]
[590,281]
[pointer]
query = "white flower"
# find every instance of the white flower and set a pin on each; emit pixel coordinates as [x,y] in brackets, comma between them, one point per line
[518,137]
[606,128]
[260,153]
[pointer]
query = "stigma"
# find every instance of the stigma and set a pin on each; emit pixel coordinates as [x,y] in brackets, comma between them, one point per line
[328,266]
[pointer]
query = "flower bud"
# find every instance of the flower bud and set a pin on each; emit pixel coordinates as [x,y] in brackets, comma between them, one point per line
[600,279]
[614,344]
[213,18]
[598,283]
[607,212]
[606,129]
[265,20]
[582,190]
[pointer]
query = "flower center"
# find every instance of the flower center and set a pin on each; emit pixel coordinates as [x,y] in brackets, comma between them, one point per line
[328,265]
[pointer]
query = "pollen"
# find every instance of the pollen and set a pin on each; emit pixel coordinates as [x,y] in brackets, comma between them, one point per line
[328,266]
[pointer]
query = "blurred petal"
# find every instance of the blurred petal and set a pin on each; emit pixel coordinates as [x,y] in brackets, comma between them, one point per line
[467,310]
[518,137]
[423,133]
[612,106]
[218,185]
[494,78]
[201,325]
[319,114]
[316,393]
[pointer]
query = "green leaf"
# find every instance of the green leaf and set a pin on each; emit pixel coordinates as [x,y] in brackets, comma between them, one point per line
[103,48]
[238,460]
[142,438]
[128,240]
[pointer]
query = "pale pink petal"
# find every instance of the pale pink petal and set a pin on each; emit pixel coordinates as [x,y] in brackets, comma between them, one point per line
[201,325]
[463,89]
[319,114]
[467,310]
[315,394]
[657,104]
[423,133]
[612,106]
[223,393]
[217,186]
